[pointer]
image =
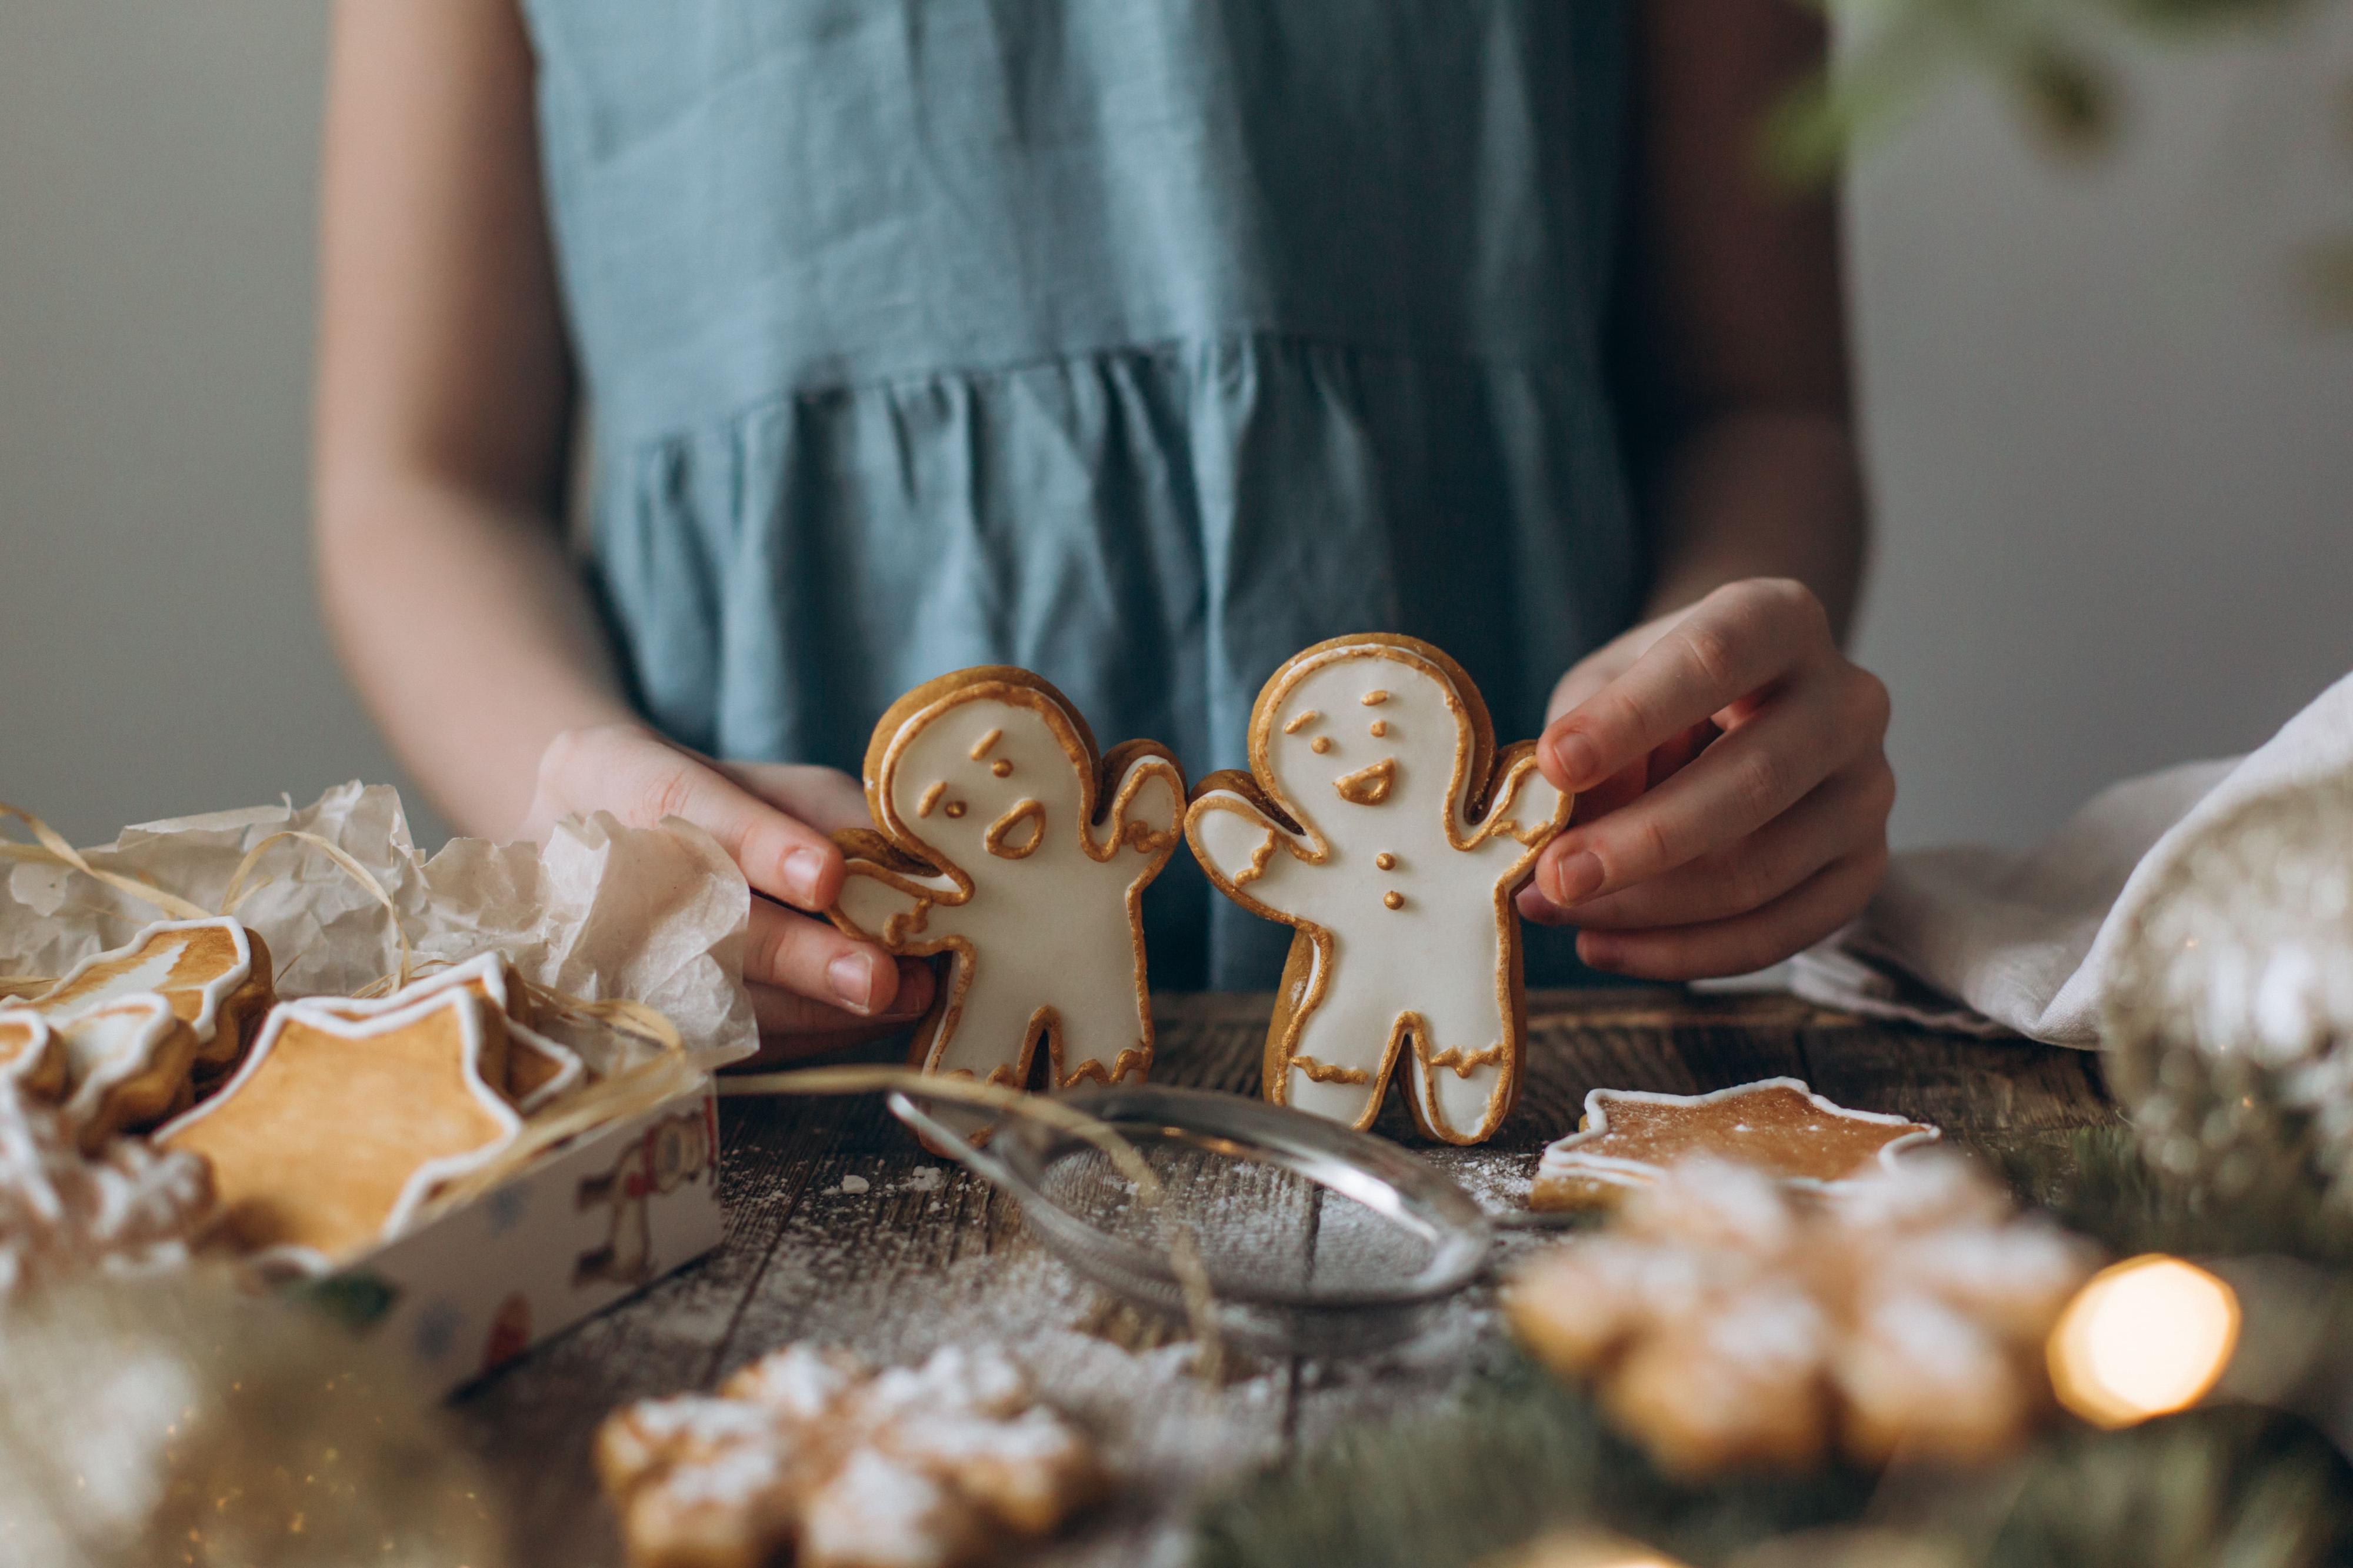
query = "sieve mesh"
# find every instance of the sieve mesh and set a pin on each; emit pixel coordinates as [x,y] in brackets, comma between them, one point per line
[1262,1230]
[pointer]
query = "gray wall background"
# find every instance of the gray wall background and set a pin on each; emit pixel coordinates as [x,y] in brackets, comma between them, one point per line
[2112,448]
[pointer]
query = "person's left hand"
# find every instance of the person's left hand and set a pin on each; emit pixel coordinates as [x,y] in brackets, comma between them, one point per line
[1732,792]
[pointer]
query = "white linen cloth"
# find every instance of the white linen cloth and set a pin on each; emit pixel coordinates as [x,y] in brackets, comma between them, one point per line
[1994,943]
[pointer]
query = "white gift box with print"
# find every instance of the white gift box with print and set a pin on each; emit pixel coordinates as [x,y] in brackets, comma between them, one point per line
[600,911]
[593,1221]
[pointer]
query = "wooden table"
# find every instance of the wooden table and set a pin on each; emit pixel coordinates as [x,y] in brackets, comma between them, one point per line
[841,1229]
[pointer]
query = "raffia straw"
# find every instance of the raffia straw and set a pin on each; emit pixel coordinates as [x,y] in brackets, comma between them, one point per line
[628,1093]
[621,1012]
[52,850]
[1184,1252]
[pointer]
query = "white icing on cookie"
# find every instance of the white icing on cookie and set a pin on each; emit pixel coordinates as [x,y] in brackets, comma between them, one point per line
[995,784]
[557,1068]
[1402,897]
[808,1456]
[876,1512]
[31,1060]
[800,1382]
[1853,1145]
[108,1045]
[197,965]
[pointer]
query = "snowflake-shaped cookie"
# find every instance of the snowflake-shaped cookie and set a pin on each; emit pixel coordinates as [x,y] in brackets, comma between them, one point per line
[1731,1322]
[807,1457]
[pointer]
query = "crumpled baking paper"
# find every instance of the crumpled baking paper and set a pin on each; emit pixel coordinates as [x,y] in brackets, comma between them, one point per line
[654,914]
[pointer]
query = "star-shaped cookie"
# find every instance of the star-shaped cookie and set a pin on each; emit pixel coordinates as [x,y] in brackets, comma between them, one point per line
[336,1129]
[1629,1137]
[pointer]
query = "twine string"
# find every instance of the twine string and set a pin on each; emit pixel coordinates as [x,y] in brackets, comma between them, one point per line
[51,848]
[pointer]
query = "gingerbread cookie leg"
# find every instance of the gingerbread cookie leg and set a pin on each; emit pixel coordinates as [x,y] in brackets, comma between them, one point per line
[1466,1066]
[1339,1061]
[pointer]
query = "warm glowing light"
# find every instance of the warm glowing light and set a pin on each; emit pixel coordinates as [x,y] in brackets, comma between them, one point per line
[2144,1337]
[1588,1552]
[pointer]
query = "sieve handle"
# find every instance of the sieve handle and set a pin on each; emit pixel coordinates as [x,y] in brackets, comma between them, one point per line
[986,1167]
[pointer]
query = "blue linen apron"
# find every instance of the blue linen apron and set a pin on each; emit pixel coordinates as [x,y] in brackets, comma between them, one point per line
[1140,342]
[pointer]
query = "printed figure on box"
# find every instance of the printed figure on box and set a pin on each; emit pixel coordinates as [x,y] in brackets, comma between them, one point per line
[671,1152]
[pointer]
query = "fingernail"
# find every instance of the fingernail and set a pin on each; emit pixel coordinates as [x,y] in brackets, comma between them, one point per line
[852,978]
[1576,877]
[802,868]
[1576,759]
[1596,951]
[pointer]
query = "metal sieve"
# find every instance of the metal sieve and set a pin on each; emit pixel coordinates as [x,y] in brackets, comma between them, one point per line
[1316,1239]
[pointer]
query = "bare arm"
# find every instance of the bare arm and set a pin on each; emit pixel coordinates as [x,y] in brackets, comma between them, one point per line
[1733,791]
[1741,322]
[444,407]
[445,402]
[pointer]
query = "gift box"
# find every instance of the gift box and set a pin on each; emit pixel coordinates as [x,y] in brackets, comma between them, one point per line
[585,1225]
[629,941]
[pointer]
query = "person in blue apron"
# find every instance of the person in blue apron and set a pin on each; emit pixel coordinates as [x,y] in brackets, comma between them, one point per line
[1138,342]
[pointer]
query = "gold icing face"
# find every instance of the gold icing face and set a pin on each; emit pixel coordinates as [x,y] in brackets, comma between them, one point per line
[1362,772]
[987,778]
[1016,835]
[1357,714]
[1368,785]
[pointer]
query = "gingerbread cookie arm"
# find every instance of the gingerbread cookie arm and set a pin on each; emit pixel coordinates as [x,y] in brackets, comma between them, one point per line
[1250,850]
[893,899]
[1528,808]
[1143,789]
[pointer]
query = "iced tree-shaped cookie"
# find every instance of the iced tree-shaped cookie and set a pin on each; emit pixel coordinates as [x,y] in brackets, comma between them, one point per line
[1010,841]
[1379,820]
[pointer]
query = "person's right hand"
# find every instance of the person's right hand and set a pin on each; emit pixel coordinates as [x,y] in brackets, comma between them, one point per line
[813,988]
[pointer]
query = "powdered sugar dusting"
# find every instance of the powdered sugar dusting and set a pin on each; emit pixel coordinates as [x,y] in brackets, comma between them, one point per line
[130,1211]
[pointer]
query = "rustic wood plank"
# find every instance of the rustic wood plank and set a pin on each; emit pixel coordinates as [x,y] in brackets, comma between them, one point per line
[842,1228]
[533,1421]
[1962,1084]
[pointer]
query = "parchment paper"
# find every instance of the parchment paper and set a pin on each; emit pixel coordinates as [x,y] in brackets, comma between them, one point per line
[657,915]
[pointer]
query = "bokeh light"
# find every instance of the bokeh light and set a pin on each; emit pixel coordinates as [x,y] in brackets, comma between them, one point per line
[2144,1337]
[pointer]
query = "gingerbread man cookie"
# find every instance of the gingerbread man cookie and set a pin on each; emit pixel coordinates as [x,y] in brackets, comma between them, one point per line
[1009,841]
[1380,819]
[1628,1139]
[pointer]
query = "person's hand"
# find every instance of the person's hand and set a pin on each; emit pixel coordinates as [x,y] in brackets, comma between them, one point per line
[813,988]
[1732,793]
